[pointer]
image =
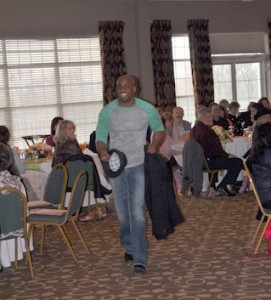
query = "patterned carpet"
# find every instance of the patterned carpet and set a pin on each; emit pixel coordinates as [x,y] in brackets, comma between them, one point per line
[203,259]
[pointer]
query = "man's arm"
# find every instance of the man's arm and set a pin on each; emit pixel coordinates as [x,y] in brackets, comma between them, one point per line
[102,150]
[157,140]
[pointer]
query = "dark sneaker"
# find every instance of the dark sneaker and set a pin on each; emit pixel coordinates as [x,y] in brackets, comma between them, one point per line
[128,257]
[139,269]
[223,191]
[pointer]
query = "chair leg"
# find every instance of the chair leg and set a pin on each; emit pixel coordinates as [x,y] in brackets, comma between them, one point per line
[80,236]
[16,253]
[89,194]
[262,235]
[67,242]
[28,256]
[176,179]
[48,232]
[67,233]
[42,239]
[257,229]
[30,231]
[209,184]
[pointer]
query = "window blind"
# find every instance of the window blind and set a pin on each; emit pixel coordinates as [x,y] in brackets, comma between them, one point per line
[41,79]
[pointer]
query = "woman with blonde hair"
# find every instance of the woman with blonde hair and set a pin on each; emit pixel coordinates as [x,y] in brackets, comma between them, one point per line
[66,142]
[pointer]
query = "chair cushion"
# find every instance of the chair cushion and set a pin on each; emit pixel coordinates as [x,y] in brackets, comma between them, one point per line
[46,218]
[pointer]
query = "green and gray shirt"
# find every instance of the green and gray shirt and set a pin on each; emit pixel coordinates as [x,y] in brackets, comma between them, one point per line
[127,127]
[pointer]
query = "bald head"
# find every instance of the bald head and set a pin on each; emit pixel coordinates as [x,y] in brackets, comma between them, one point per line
[129,78]
[126,89]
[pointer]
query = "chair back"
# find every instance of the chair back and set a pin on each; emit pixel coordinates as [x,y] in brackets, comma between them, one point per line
[12,213]
[77,195]
[55,188]
[192,166]
[74,167]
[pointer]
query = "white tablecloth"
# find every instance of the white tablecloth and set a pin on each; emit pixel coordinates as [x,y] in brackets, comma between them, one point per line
[7,251]
[179,157]
[238,147]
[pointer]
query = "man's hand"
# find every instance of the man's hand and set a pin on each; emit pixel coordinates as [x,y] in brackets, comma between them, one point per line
[104,156]
[151,149]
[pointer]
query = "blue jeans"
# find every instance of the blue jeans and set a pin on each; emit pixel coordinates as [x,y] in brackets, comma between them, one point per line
[129,197]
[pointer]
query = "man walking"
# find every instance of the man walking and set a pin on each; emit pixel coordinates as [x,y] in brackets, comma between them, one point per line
[126,120]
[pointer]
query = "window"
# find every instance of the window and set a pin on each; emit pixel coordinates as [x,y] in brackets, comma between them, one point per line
[41,79]
[239,77]
[183,76]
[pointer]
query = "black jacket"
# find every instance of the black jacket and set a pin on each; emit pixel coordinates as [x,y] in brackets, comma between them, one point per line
[160,197]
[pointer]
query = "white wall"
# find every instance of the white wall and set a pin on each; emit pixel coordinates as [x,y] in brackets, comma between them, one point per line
[55,18]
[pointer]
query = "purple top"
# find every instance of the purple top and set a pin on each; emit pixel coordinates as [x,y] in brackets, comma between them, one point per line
[49,141]
[208,140]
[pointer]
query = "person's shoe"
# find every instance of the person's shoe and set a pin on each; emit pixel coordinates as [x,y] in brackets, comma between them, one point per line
[139,269]
[224,191]
[128,257]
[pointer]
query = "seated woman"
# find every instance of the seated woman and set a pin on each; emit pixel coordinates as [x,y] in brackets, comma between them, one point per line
[168,153]
[66,142]
[265,102]
[260,157]
[246,117]
[225,104]
[6,178]
[165,149]
[235,118]
[50,139]
[17,167]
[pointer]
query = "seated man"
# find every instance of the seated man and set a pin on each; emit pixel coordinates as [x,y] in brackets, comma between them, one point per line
[179,126]
[216,114]
[216,156]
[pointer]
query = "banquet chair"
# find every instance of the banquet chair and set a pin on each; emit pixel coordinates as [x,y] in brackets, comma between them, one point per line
[54,194]
[55,189]
[175,168]
[61,217]
[76,166]
[13,212]
[211,173]
[266,213]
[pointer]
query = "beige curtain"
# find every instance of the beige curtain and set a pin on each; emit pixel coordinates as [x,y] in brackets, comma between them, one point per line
[162,62]
[112,56]
[201,62]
